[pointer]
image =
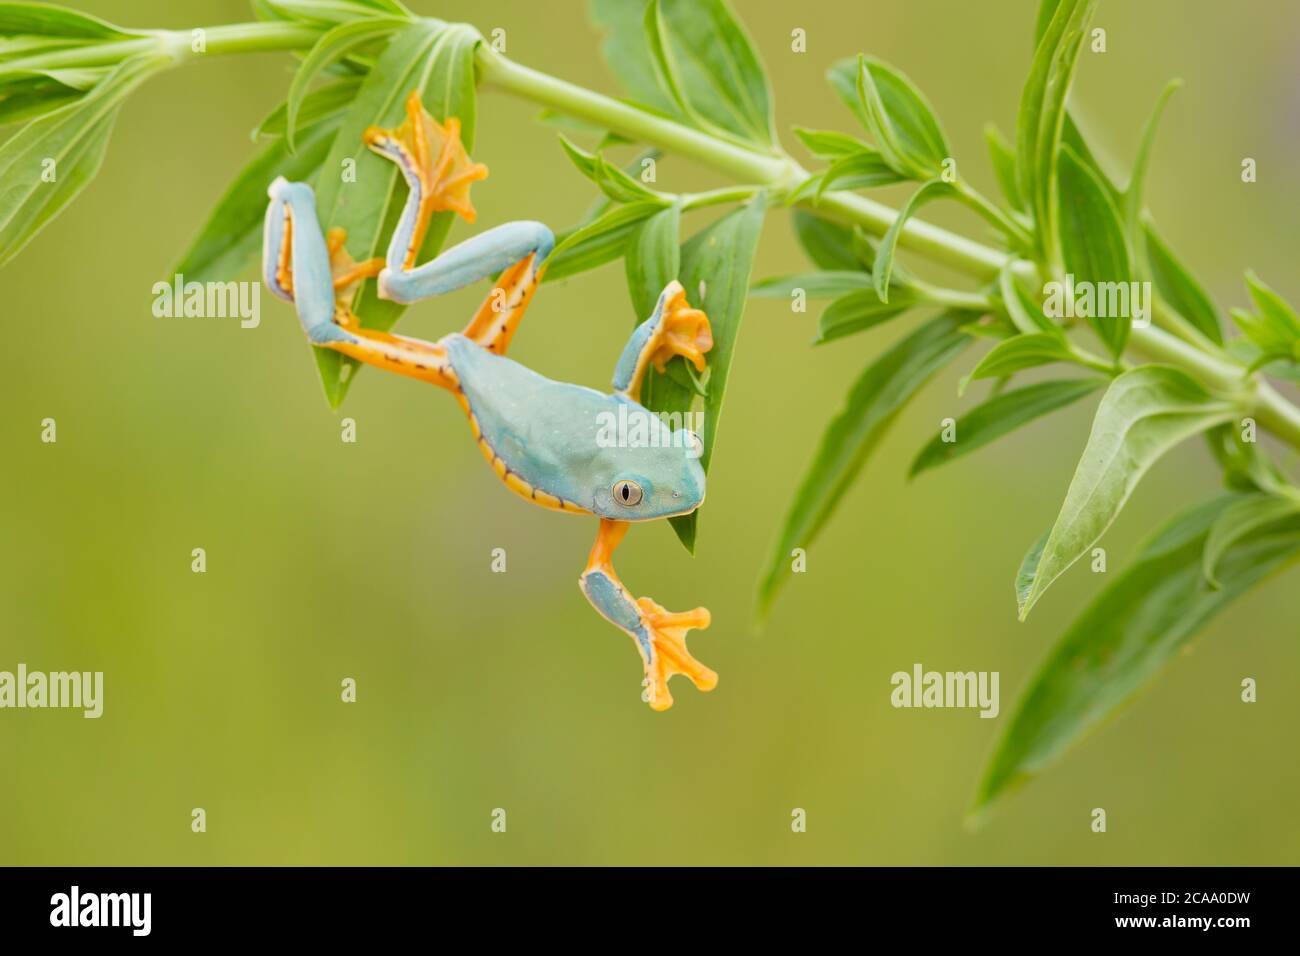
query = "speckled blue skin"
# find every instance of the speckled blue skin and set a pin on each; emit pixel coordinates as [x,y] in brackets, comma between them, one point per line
[552,435]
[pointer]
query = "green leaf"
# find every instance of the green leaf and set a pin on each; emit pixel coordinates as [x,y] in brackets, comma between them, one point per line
[1275,328]
[1177,287]
[327,102]
[231,239]
[861,310]
[1246,467]
[333,11]
[602,240]
[884,266]
[715,270]
[1025,315]
[1093,247]
[883,389]
[438,60]
[1046,10]
[613,182]
[1002,415]
[626,54]
[654,258]
[333,46]
[1019,353]
[68,143]
[828,244]
[1239,520]
[49,20]
[828,144]
[894,112]
[1072,136]
[1135,626]
[1003,157]
[706,64]
[815,285]
[1145,413]
[1041,118]
[77,78]
[26,100]
[861,170]
[1134,195]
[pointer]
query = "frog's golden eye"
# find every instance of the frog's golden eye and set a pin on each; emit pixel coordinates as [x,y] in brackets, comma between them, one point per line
[627,493]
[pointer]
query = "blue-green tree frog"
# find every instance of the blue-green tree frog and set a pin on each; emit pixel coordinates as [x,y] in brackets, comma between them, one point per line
[549,442]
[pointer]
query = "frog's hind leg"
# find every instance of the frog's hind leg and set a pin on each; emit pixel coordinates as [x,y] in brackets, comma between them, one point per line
[660,635]
[316,274]
[675,328]
[438,176]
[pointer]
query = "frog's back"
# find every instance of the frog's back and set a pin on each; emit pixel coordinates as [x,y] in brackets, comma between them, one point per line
[539,435]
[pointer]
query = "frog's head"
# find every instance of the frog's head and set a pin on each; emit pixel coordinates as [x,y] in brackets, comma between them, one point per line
[660,481]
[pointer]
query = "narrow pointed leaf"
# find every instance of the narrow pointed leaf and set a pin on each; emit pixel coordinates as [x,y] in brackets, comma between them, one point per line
[708,66]
[884,266]
[598,242]
[861,310]
[1136,626]
[815,285]
[1025,315]
[1144,414]
[828,144]
[1003,157]
[1239,520]
[50,20]
[1177,287]
[333,45]
[1002,415]
[68,143]
[626,53]
[1095,251]
[828,244]
[894,112]
[715,270]
[882,391]
[1041,118]
[1135,194]
[1019,353]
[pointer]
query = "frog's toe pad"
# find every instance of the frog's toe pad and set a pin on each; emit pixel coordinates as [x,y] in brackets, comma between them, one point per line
[667,632]
[683,331]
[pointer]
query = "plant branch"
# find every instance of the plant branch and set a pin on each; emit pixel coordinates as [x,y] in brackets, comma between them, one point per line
[771,170]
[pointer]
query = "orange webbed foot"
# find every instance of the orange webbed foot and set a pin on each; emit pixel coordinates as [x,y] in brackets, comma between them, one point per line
[434,154]
[667,631]
[683,331]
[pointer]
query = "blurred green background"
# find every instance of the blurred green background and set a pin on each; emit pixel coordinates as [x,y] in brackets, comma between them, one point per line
[478,690]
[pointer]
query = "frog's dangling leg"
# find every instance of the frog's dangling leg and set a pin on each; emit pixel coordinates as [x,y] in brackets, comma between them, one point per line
[674,328]
[438,175]
[660,635]
[318,276]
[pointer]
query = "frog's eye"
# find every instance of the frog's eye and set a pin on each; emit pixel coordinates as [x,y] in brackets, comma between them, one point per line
[694,445]
[627,493]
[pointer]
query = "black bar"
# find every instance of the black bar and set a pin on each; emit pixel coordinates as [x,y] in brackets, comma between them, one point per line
[334,905]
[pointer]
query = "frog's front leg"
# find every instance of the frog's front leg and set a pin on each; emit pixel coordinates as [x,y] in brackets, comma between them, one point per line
[660,635]
[674,328]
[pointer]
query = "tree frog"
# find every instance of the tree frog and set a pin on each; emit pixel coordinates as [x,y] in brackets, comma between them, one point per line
[548,441]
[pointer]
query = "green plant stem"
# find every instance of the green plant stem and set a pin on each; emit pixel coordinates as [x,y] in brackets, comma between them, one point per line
[781,173]
[178,44]
[765,170]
